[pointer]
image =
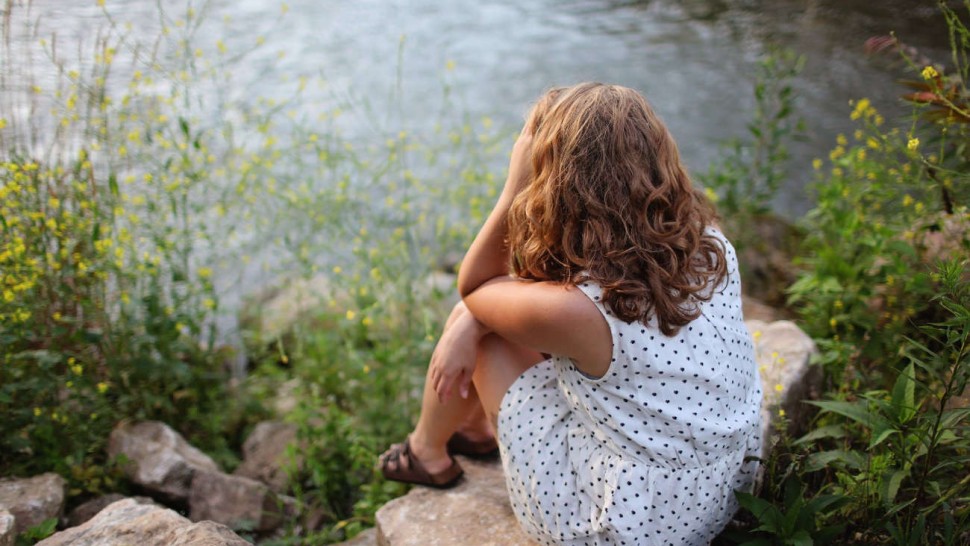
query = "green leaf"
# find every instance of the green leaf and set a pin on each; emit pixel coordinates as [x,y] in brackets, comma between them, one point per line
[881,434]
[766,513]
[820,503]
[952,418]
[890,485]
[904,395]
[818,461]
[113,183]
[828,431]
[857,411]
[41,530]
[800,538]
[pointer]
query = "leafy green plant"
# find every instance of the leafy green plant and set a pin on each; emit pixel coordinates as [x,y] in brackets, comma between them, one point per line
[38,532]
[883,291]
[794,522]
[746,178]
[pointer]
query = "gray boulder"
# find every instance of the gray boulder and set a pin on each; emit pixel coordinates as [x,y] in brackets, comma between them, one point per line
[87,510]
[783,353]
[365,538]
[159,459]
[31,501]
[128,523]
[8,535]
[265,455]
[235,501]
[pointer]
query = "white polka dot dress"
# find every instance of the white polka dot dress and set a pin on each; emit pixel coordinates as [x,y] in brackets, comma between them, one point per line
[648,454]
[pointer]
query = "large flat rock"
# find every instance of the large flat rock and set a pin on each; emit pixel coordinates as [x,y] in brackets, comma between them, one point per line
[476,511]
[129,523]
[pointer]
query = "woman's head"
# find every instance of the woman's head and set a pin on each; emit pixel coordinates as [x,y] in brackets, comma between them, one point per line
[611,201]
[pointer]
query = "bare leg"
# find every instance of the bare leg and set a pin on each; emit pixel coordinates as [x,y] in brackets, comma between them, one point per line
[498,364]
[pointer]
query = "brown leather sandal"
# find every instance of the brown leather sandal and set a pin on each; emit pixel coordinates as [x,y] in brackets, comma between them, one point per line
[415,472]
[459,444]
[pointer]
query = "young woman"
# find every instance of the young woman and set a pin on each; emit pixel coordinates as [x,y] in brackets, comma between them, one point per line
[612,362]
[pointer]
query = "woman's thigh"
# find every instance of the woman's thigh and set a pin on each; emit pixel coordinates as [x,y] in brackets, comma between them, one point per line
[499,364]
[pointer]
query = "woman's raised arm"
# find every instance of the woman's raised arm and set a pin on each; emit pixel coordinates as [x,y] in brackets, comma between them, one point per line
[488,255]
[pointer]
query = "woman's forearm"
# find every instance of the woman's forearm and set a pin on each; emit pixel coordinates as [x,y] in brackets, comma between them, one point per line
[488,255]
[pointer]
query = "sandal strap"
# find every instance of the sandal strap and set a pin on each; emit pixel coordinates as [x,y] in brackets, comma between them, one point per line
[415,472]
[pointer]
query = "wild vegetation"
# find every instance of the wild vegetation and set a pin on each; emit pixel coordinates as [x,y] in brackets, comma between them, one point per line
[138,195]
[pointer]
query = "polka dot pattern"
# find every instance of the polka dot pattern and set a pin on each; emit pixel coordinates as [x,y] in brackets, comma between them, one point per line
[651,452]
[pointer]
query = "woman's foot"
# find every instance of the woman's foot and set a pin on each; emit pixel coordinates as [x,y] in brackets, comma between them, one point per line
[474,445]
[416,463]
[474,437]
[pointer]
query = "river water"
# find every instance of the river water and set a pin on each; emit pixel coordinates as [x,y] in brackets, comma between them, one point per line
[693,59]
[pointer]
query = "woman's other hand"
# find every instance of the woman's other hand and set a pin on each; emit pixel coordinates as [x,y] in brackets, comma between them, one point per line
[453,360]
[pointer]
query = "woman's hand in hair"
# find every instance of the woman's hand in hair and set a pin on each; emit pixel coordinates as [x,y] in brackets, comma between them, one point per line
[520,164]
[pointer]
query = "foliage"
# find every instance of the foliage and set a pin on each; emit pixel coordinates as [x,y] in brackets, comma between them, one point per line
[746,178]
[38,532]
[884,291]
[106,309]
[133,213]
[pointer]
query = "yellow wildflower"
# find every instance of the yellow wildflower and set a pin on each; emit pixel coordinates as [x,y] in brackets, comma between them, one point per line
[779,387]
[907,200]
[102,387]
[350,315]
[913,144]
[710,194]
[930,73]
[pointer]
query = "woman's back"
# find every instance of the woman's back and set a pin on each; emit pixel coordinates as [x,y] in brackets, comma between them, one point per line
[653,450]
[679,401]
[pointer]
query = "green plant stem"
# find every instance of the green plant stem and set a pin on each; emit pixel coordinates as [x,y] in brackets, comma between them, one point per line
[936,432]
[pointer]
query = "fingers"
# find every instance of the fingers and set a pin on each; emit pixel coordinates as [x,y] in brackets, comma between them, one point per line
[441,383]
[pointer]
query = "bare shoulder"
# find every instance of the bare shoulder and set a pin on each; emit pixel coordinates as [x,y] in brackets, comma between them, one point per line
[547,317]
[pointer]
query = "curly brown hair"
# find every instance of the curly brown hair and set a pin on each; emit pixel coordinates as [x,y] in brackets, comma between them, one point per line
[610,202]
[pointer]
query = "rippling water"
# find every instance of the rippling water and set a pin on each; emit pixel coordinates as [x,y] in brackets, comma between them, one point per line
[692,58]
